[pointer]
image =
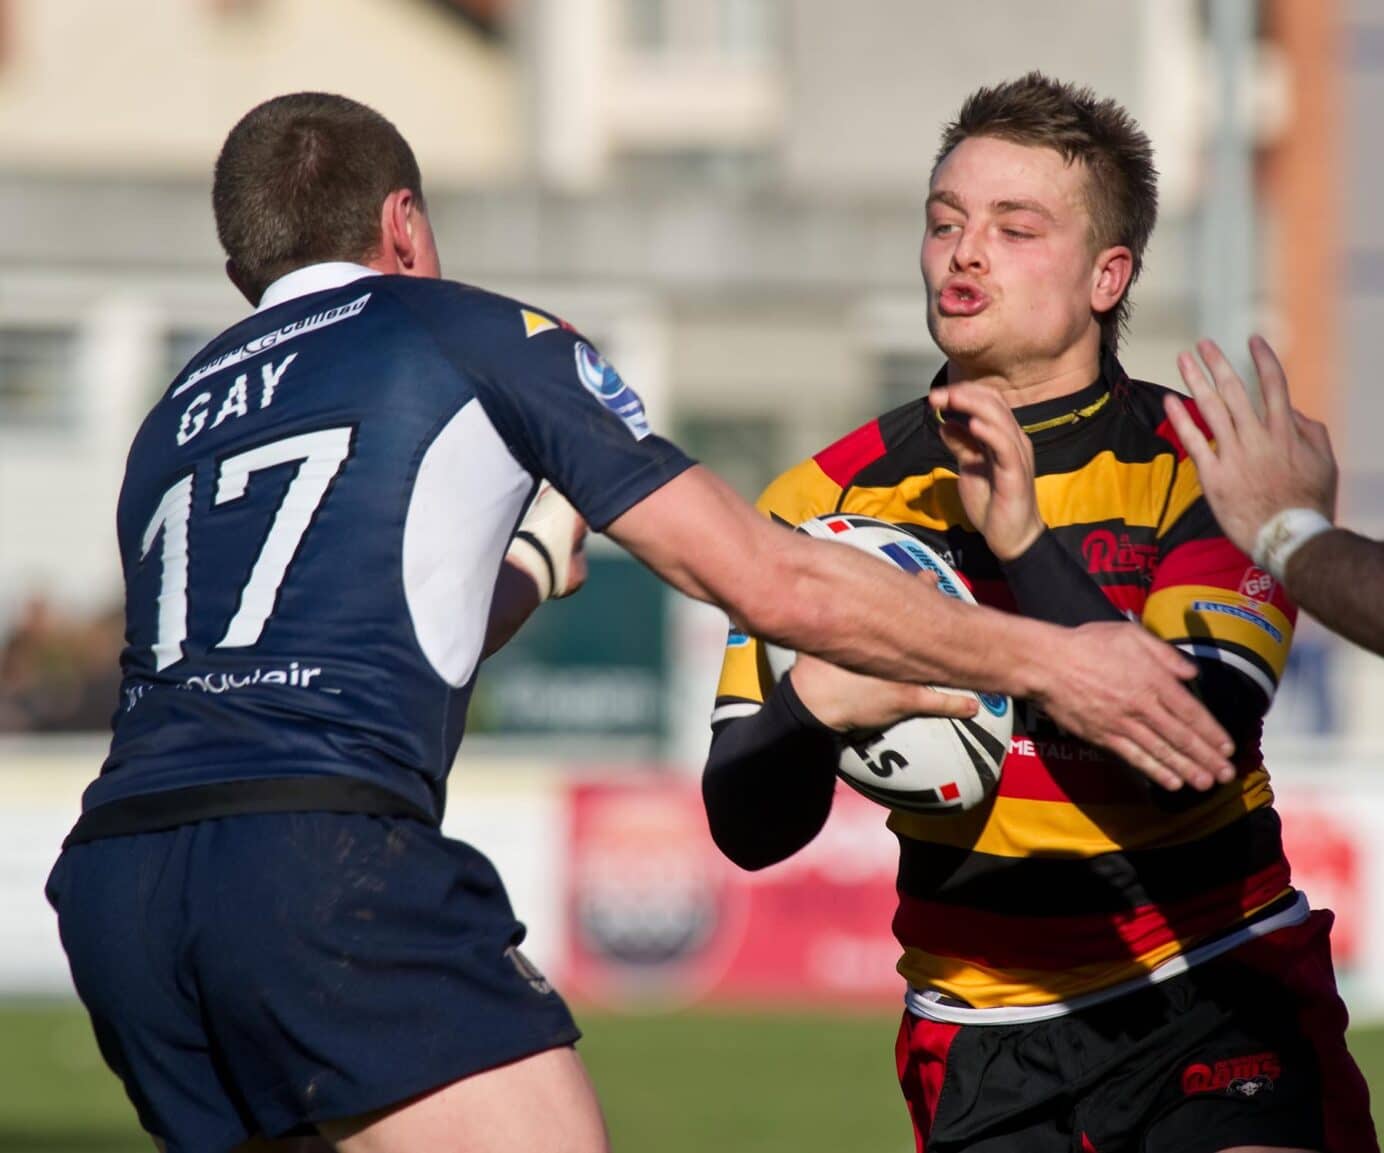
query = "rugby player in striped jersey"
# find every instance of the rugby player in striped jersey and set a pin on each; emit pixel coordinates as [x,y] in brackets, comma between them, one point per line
[1095,959]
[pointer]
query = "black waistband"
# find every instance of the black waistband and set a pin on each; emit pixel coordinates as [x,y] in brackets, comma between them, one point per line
[151,812]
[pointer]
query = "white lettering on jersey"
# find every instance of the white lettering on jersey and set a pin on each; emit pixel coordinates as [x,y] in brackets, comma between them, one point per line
[270,377]
[194,417]
[292,677]
[236,402]
[270,339]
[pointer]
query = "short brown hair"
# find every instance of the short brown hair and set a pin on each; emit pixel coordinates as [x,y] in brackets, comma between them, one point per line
[301,179]
[1121,180]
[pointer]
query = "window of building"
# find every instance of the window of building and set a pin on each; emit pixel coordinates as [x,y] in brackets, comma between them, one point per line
[724,168]
[38,381]
[749,29]
[741,29]
[646,24]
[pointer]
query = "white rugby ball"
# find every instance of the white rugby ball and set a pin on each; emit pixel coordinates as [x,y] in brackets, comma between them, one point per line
[923,764]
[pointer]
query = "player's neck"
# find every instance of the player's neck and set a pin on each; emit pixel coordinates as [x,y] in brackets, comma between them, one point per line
[1032,382]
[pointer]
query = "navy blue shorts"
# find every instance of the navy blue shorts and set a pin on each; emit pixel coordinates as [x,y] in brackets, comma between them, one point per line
[257,974]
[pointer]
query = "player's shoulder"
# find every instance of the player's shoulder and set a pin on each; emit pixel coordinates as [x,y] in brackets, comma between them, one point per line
[880,452]
[456,302]
[1143,401]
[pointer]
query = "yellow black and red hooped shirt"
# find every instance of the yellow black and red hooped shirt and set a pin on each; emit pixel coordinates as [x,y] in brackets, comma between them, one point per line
[1078,875]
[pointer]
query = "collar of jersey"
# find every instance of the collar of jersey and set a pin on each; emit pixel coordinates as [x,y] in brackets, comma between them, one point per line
[312,278]
[1061,412]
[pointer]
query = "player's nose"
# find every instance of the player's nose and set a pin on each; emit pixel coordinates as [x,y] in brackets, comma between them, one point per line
[970,253]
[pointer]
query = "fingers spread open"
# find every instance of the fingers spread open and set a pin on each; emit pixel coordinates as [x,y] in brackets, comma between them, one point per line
[1273,382]
[1188,728]
[1229,385]
[1135,755]
[1165,759]
[1313,431]
[1196,444]
[1209,402]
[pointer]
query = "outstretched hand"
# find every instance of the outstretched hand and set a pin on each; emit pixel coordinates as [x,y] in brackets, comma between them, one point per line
[995,469]
[1257,467]
[1118,686]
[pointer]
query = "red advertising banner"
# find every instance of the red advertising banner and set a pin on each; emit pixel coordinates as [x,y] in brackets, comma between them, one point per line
[1326,854]
[655,913]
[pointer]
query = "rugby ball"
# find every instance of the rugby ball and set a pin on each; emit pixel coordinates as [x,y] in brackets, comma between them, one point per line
[923,764]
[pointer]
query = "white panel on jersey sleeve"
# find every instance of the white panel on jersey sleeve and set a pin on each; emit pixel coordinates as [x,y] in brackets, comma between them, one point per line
[465,502]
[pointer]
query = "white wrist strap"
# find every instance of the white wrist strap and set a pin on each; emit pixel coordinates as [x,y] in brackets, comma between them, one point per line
[1283,534]
[530,554]
[545,541]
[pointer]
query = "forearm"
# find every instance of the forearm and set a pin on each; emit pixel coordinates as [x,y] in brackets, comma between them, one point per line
[1049,584]
[514,601]
[828,599]
[848,608]
[769,781]
[1338,577]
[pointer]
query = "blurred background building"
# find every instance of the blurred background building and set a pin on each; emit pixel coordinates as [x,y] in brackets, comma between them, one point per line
[727,195]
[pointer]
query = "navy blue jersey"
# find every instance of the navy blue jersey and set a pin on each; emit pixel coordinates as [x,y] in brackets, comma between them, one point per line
[313,519]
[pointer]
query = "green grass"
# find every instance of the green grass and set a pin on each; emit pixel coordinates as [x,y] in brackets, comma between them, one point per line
[678,1083]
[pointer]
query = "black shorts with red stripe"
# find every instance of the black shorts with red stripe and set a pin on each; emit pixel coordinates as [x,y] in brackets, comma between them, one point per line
[1247,1049]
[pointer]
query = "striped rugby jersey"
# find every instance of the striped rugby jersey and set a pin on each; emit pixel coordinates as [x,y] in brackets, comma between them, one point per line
[1079,874]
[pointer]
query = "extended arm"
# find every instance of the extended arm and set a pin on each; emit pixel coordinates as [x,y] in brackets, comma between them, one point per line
[1111,684]
[1338,577]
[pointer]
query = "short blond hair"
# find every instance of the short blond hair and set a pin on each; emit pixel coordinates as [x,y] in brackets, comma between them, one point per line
[1121,180]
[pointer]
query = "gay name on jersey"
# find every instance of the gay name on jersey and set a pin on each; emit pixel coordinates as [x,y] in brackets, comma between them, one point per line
[236,402]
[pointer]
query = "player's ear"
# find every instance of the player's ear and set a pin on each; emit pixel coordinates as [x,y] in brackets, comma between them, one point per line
[1111,274]
[397,226]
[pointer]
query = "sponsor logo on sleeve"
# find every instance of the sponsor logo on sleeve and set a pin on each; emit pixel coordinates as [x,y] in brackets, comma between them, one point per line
[1256,584]
[604,383]
[1248,615]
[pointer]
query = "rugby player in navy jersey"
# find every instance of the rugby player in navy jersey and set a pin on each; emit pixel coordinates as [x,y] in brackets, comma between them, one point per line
[273,939]
[1093,963]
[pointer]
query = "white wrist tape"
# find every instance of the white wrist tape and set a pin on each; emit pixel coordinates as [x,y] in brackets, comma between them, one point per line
[1283,534]
[543,543]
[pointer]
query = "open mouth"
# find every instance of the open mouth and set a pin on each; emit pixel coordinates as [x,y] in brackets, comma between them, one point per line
[961,300]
